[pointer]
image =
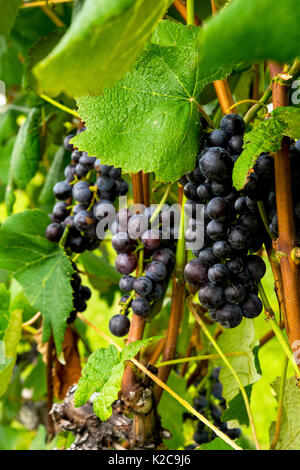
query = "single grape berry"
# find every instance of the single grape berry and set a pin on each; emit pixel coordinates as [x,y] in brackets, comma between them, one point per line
[60,210]
[126,283]
[81,192]
[54,232]
[219,209]
[218,274]
[211,296]
[84,220]
[235,144]
[126,263]
[232,124]
[217,230]
[229,316]
[67,143]
[165,256]
[119,325]
[239,238]
[203,193]
[221,249]
[122,243]
[195,273]
[235,294]
[62,190]
[252,306]
[85,292]
[256,267]
[217,138]
[151,240]
[77,243]
[156,293]
[156,271]
[143,286]
[207,257]
[216,164]
[141,307]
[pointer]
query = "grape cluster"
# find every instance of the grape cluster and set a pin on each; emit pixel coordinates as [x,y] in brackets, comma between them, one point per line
[211,404]
[93,186]
[81,294]
[84,197]
[261,187]
[149,251]
[225,271]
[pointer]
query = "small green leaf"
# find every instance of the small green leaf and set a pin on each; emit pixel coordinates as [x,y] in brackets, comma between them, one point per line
[253,36]
[102,275]
[41,267]
[9,11]
[169,408]
[291,116]
[236,409]
[11,339]
[216,444]
[4,309]
[266,138]
[239,339]
[105,39]
[102,376]
[152,115]
[26,151]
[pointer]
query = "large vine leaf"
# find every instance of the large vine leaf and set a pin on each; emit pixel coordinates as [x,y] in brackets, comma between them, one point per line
[11,339]
[267,137]
[101,377]
[9,10]
[41,267]
[245,31]
[291,116]
[150,120]
[289,437]
[240,339]
[4,309]
[46,195]
[169,408]
[105,40]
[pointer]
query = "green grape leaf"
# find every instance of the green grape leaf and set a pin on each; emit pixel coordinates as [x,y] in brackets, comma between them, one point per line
[169,408]
[46,195]
[266,137]
[289,437]
[291,116]
[11,339]
[41,267]
[4,309]
[253,36]
[10,64]
[215,444]
[239,339]
[9,11]
[150,120]
[102,376]
[236,409]
[105,38]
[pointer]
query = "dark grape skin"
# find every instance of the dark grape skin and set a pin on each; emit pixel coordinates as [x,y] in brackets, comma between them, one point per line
[216,230]
[207,258]
[126,283]
[235,144]
[157,292]
[232,124]
[77,243]
[211,296]
[252,306]
[216,164]
[203,192]
[190,191]
[105,183]
[143,286]
[62,190]
[236,265]
[221,249]
[84,220]
[119,325]
[218,274]
[165,256]
[219,209]
[141,307]
[122,243]
[54,232]
[151,240]
[81,192]
[235,293]
[85,292]
[256,267]
[221,189]
[81,170]
[229,316]
[250,221]
[75,156]
[240,205]
[87,162]
[156,271]
[195,273]
[126,263]
[239,238]
[60,210]
[217,138]
[67,143]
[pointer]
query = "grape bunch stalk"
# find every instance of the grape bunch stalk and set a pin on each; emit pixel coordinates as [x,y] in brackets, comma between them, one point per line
[226,269]
[84,198]
[151,254]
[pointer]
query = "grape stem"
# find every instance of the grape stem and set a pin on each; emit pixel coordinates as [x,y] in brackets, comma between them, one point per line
[165,387]
[257,107]
[280,404]
[161,203]
[287,239]
[59,105]
[232,370]
[202,357]
[49,359]
[190,10]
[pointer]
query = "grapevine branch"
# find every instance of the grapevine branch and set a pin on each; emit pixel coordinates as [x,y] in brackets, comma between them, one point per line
[286,224]
[165,387]
[49,358]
